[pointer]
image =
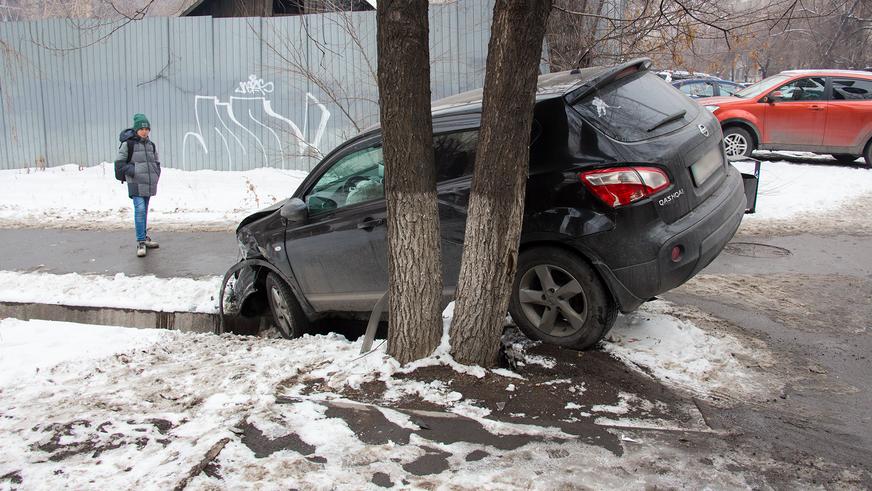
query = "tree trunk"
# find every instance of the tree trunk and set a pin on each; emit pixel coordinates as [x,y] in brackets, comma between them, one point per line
[496,203]
[414,255]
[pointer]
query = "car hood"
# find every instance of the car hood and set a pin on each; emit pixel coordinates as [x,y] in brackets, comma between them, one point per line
[261,214]
[720,100]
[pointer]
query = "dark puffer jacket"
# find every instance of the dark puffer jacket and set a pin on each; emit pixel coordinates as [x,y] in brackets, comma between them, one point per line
[143,171]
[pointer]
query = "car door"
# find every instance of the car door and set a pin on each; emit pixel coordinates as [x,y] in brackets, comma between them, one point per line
[795,114]
[849,115]
[339,256]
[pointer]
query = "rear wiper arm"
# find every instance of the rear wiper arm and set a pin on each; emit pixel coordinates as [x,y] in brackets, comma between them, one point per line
[668,119]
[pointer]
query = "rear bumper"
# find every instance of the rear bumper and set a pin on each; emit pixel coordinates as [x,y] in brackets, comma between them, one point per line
[702,234]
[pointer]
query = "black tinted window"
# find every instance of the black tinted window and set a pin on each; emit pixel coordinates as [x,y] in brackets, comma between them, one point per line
[455,154]
[852,89]
[637,107]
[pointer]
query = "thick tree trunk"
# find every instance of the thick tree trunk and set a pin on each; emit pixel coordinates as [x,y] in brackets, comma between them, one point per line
[414,255]
[496,203]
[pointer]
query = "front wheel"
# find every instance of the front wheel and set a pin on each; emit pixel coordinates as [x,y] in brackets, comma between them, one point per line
[559,299]
[738,143]
[288,316]
[867,154]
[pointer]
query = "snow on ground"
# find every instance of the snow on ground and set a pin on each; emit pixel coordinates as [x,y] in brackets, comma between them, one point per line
[124,408]
[680,353]
[219,199]
[119,291]
[72,197]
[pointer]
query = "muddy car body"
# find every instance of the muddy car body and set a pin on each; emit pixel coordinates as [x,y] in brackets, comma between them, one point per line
[629,195]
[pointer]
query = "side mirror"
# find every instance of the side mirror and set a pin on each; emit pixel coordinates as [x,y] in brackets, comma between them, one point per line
[295,210]
[774,97]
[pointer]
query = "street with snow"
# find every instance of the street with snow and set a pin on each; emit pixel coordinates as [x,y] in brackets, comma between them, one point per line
[754,374]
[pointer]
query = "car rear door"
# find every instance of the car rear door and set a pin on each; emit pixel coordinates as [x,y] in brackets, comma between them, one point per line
[849,115]
[797,118]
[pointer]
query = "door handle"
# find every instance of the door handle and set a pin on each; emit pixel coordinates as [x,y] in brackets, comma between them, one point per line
[370,223]
[816,108]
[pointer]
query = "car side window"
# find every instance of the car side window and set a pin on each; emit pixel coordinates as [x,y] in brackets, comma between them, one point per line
[728,89]
[804,89]
[698,89]
[845,89]
[355,178]
[455,154]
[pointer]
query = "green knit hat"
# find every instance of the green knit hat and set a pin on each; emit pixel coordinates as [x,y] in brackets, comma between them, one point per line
[140,121]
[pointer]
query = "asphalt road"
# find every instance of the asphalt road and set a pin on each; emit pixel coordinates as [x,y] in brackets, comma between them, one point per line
[181,254]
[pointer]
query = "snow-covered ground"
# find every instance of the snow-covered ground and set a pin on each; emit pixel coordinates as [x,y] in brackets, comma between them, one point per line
[86,406]
[218,200]
[71,197]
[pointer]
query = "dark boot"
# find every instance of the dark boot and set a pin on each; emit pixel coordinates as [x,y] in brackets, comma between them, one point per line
[150,243]
[140,249]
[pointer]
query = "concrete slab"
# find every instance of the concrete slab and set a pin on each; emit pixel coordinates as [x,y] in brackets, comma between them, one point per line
[105,316]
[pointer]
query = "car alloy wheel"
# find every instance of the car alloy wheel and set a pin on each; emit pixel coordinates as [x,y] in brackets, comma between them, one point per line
[558,298]
[736,145]
[288,317]
[553,300]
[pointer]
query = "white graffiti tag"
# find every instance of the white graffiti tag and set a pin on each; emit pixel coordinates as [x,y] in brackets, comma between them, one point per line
[254,86]
[249,128]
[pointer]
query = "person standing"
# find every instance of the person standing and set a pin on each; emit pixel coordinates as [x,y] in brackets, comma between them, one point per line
[138,164]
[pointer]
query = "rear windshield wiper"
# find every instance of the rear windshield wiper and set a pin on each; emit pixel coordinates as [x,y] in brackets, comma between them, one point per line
[668,119]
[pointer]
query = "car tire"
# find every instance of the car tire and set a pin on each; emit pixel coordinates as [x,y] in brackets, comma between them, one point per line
[738,143]
[579,317]
[867,154]
[844,158]
[288,316]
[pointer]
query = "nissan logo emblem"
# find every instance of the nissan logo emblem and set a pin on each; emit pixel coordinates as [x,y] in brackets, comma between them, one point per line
[703,130]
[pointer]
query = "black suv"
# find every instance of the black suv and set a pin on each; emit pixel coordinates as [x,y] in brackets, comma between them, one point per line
[629,195]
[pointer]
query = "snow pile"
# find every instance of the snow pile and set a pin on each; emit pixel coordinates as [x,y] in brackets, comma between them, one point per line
[72,197]
[26,348]
[679,353]
[119,291]
[786,190]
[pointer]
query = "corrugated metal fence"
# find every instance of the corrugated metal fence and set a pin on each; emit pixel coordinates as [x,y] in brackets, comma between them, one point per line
[223,94]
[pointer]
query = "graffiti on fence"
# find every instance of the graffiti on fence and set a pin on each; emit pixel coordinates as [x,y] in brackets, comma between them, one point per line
[249,128]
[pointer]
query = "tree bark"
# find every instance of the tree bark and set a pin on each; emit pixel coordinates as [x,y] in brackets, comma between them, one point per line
[414,254]
[496,202]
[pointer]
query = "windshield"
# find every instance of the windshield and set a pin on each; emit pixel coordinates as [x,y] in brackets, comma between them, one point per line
[762,86]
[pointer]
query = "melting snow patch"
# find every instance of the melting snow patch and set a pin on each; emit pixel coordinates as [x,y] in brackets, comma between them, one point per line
[678,352]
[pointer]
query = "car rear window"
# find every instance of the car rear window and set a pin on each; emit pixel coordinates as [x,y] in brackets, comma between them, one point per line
[637,107]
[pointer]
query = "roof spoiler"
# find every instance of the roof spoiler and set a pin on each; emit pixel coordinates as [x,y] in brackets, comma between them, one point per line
[608,76]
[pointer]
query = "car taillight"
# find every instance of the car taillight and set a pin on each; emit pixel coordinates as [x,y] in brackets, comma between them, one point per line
[620,186]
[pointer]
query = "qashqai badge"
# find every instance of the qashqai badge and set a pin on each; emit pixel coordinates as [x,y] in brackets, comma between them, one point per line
[703,130]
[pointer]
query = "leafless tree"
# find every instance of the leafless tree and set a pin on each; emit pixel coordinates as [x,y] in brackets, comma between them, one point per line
[414,254]
[496,203]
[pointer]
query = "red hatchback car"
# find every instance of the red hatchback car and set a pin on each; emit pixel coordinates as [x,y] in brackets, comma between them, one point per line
[822,111]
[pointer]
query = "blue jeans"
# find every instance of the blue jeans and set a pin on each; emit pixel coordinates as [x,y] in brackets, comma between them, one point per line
[140,216]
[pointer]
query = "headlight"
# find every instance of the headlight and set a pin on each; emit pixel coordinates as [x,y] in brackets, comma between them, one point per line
[712,108]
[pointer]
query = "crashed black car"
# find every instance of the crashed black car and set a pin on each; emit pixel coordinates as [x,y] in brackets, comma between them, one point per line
[629,195]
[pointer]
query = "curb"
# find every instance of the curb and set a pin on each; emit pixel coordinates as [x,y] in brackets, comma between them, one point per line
[143,319]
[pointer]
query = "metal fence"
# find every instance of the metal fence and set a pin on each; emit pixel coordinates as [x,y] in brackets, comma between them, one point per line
[221,94]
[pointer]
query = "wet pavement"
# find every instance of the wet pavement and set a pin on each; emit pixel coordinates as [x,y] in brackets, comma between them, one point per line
[58,251]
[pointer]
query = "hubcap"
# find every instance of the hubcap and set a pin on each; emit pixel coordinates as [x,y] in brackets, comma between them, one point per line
[283,313]
[735,145]
[553,300]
